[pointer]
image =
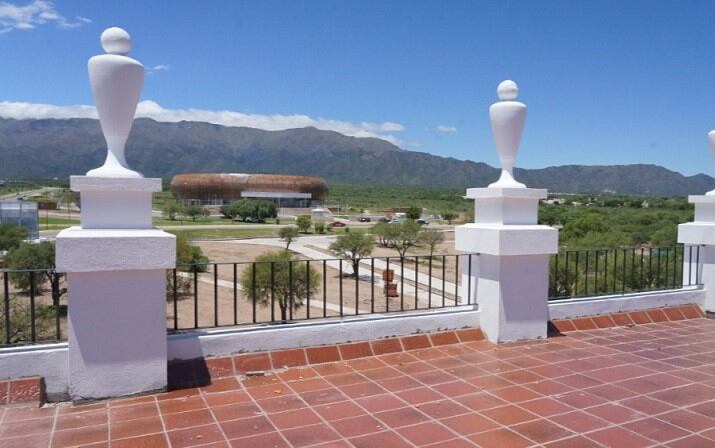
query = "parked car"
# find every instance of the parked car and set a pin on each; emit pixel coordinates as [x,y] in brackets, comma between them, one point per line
[338,224]
[421,222]
[364,219]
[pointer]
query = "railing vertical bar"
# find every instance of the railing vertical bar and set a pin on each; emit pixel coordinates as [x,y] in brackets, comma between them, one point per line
[290,290]
[340,277]
[196,296]
[444,278]
[307,289]
[387,284]
[176,300]
[555,283]
[595,279]
[675,266]
[254,268]
[6,299]
[625,261]
[567,286]
[456,280]
[575,288]
[417,282]
[56,303]
[235,294]
[469,280]
[697,265]
[605,271]
[641,279]
[657,278]
[357,288]
[690,264]
[402,283]
[615,269]
[273,293]
[325,289]
[215,295]
[633,264]
[650,267]
[372,285]
[585,279]
[667,254]
[33,324]
[429,285]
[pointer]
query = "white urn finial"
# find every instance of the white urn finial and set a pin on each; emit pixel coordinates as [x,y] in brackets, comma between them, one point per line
[711,140]
[116,82]
[507,117]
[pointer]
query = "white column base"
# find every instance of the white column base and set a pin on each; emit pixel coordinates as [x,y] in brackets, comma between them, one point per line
[512,294]
[117,333]
[707,266]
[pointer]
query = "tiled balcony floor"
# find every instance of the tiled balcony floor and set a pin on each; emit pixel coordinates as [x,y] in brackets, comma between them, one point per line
[650,385]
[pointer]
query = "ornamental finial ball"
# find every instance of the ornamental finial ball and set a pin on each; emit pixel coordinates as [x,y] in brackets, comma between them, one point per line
[507,90]
[116,41]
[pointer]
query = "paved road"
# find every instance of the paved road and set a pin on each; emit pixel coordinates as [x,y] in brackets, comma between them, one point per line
[306,246]
[27,193]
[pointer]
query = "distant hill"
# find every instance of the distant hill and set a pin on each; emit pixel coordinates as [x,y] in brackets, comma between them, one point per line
[58,148]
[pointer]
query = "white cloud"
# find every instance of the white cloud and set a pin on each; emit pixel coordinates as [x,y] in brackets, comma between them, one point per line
[157,68]
[31,15]
[445,128]
[151,109]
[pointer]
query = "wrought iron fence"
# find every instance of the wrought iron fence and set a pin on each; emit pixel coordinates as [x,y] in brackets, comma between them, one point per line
[33,306]
[588,273]
[272,292]
[215,295]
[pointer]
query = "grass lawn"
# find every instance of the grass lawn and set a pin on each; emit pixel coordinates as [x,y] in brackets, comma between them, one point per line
[204,234]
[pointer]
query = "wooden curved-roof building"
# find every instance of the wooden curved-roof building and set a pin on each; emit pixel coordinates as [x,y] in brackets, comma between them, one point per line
[216,188]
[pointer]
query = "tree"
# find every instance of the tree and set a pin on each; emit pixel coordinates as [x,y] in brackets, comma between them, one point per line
[11,236]
[189,257]
[36,257]
[304,222]
[449,217]
[353,245]
[277,275]
[413,213]
[253,209]
[385,233]
[230,211]
[407,236]
[431,238]
[288,235]
[195,211]
[319,227]
[171,209]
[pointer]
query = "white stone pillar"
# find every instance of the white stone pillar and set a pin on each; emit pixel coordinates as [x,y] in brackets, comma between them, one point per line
[702,232]
[512,283]
[115,261]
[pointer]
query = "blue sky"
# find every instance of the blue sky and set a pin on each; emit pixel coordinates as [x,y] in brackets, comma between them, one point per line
[606,82]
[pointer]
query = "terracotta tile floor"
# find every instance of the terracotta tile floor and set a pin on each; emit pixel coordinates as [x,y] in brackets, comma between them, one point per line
[650,385]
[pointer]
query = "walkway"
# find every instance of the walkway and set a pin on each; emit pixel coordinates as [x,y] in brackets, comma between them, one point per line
[649,385]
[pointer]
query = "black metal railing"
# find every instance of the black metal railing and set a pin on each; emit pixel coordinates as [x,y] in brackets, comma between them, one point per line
[33,307]
[271,292]
[588,273]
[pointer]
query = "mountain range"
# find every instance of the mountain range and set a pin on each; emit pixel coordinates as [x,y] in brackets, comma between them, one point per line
[48,148]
